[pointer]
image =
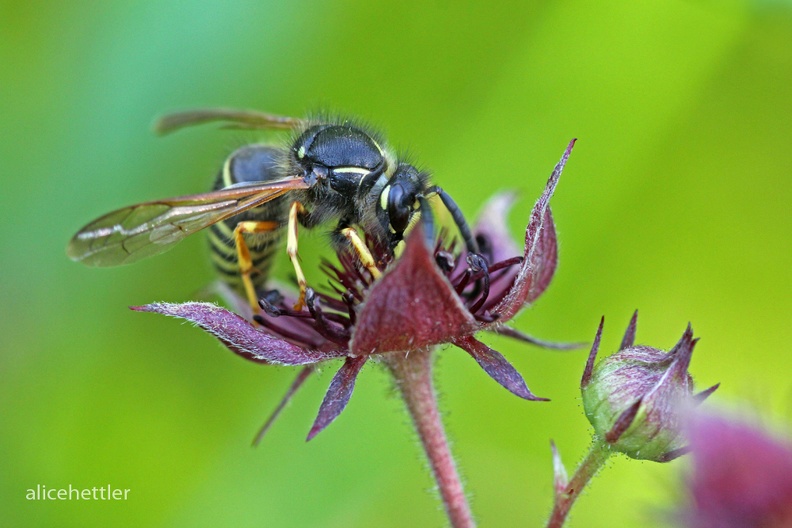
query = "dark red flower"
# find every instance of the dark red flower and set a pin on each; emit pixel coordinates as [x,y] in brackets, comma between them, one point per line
[426,297]
[740,477]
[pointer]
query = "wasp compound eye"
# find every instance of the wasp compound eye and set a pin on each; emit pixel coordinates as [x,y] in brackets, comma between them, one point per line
[399,208]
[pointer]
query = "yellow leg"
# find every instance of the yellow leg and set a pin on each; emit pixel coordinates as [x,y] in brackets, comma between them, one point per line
[363,253]
[291,249]
[243,255]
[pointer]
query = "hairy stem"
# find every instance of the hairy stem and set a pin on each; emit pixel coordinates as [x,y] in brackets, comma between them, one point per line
[596,457]
[413,374]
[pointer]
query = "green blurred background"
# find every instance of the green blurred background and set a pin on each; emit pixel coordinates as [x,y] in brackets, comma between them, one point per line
[676,201]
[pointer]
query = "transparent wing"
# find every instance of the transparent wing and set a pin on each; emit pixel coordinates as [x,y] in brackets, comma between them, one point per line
[232,118]
[139,231]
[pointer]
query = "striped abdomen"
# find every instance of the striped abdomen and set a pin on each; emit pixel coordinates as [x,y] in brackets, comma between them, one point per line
[253,163]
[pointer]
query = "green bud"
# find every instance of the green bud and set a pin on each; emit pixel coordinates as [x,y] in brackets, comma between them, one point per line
[633,398]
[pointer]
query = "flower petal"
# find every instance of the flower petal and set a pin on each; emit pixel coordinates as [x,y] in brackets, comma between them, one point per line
[540,254]
[682,353]
[584,381]
[492,229]
[623,422]
[703,395]
[493,235]
[741,475]
[629,335]
[675,383]
[338,394]
[411,306]
[544,258]
[240,336]
[673,454]
[497,367]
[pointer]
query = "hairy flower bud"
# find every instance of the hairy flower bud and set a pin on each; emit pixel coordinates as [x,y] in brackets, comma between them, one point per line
[633,397]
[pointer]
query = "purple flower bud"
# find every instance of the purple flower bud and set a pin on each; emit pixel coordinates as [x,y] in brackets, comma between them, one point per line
[633,397]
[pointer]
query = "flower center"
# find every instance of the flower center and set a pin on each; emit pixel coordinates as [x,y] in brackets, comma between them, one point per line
[329,317]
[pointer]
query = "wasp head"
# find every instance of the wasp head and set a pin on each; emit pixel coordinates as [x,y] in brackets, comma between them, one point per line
[399,201]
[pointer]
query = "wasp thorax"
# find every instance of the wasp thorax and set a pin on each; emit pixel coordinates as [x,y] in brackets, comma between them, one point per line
[340,154]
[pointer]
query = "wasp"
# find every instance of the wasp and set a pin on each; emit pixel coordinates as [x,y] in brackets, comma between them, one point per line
[331,170]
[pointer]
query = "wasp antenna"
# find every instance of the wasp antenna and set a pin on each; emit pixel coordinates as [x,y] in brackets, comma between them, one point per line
[428,221]
[459,219]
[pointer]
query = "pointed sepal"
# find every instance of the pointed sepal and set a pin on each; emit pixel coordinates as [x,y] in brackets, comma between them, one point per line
[338,394]
[560,478]
[497,367]
[413,305]
[584,381]
[240,336]
[525,338]
[305,372]
[540,252]
[629,335]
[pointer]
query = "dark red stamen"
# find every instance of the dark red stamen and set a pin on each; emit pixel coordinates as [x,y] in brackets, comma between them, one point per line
[328,329]
[465,279]
[485,288]
[349,298]
[302,338]
[505,264]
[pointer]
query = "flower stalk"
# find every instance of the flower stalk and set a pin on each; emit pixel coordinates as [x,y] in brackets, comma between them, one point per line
[397,312]
[633,400]
[413,375]
[565,497]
